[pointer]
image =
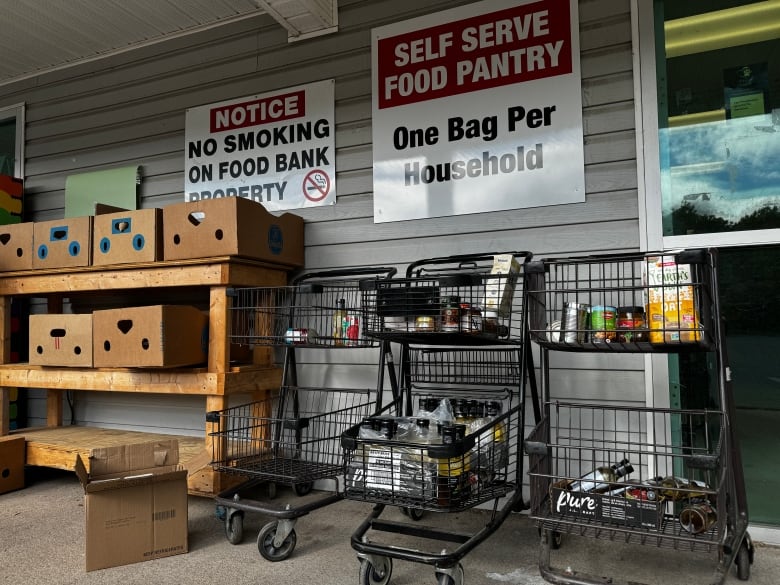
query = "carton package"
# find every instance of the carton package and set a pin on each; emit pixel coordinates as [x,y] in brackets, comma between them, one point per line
[500,291]
[232,226]
[62,243]
[670,304]
[16,246]
[61,340]
[135,503]
[127,236]
[12,459]
[153,336]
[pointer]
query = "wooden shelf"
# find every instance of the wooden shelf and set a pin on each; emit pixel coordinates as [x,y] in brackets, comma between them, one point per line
[56,445]
[160,381]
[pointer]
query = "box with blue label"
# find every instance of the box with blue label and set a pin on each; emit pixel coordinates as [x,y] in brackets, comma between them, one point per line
[232,226]
[62,243]
[126,237]
[152,336]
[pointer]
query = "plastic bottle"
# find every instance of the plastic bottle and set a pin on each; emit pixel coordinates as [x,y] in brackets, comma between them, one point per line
[340,323]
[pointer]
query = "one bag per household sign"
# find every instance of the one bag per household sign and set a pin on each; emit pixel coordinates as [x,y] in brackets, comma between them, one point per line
[478,109]
[275,148]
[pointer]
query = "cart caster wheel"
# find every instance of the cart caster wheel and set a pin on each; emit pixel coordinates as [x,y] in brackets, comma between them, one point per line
[413,513]
[265,543]
[743,561]
[455,579]
[378,574]
[301,489]
[234,527]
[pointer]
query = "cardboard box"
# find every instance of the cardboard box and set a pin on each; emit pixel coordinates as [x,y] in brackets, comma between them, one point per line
[135,503]
[12,459]
[16,246]
[670,301]
[61,340]
[154,336]
[62,243]
[127,236]
[232,226]
[500,290]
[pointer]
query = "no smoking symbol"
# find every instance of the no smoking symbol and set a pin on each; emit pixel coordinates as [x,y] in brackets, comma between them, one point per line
[316,185]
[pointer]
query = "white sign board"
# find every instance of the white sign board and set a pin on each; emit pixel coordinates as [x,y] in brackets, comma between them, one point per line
[478,109]
[277,148]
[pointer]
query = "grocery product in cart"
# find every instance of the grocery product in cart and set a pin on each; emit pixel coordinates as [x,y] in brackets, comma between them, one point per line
[465,366]
[293,437]
[666,477]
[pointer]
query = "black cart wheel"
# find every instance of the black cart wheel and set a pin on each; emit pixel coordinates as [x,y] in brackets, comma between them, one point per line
[379,574]
[413,513]
[301,489]
[445,579]
[234,527]
[742,561]
[265,543]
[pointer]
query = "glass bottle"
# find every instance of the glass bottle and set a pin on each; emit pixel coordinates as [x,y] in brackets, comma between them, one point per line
[681,488]
[340,323]
[600,478]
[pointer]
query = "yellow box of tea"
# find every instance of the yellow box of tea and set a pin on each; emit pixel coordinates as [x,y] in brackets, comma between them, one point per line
[670,301]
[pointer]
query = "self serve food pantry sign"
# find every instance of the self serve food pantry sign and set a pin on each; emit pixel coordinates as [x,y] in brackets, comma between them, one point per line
[478,109]
[276,148]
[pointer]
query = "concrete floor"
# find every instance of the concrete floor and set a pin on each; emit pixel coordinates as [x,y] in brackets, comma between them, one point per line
[42,542]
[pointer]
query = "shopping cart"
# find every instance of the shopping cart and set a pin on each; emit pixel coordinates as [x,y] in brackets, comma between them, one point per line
[463,384]
[293,437]
[663,477]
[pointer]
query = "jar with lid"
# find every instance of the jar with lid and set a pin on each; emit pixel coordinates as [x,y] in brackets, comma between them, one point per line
[470,318]
[425,323]
[630,325]
[490,323]
[450,314]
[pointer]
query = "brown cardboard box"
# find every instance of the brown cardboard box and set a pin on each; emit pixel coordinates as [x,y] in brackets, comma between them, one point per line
[135,502]
[127,236]
[12,458]
[154,336]
[62,243]
[61,340]
[16,246]
[232,226]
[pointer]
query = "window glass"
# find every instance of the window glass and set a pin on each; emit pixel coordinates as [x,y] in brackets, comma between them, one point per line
[7,145]
[719,115]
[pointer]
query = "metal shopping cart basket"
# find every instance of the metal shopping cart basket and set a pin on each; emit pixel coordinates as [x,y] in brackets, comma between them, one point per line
[293,437]
[663,477]
[461,326]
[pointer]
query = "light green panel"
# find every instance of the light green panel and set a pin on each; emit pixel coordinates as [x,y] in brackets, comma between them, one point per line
[115,187]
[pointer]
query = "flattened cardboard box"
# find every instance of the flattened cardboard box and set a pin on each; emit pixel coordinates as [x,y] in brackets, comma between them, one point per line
[16,246]
[61,339]
[153,336]
[127,236]
[232,226]
[62,243]
[135,502]
[12,459]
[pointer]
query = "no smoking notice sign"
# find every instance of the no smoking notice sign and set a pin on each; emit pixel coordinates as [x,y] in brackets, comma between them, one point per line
[316,185]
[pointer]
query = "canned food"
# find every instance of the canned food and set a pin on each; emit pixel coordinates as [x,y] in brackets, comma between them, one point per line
[300,336]
[574,322]
[603,321]
[450,314]
[698,517]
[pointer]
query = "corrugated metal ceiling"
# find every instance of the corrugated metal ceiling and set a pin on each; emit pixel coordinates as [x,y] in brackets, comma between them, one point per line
[42,35]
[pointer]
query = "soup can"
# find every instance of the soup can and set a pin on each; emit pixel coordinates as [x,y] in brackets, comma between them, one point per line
[574,322]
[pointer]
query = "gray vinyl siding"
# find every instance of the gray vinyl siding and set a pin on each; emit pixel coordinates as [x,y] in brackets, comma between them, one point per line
[129,109]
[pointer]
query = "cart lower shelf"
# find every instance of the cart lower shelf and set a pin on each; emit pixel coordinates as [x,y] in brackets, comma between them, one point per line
[57,447]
